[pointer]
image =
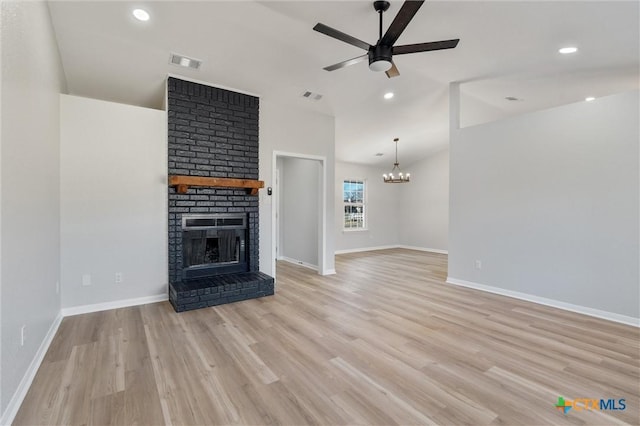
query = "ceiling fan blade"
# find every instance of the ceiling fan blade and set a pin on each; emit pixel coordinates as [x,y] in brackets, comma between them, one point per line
[331,32]
[400,22]
[425,47]
[393,71]
[346,63]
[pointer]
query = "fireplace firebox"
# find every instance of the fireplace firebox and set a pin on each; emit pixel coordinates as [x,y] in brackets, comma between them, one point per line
[213,244]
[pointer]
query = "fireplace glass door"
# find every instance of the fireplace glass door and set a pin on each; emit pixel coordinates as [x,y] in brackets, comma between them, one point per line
[213,245]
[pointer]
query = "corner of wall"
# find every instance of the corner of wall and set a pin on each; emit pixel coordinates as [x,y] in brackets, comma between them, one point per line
[30,198]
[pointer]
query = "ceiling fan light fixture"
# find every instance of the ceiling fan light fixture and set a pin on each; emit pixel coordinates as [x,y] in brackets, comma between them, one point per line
[380,65]
[380,58]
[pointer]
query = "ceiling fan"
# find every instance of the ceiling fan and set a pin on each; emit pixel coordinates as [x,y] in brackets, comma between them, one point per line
[381,55]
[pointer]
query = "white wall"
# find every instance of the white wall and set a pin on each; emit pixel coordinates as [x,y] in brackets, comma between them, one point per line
[382,209]
[277,197]
[113,190]
[32,78]
[424,204]
[474,111]
[303,132]
[548,201]
[300,195]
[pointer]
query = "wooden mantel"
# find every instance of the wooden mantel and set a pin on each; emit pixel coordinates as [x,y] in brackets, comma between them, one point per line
[182,183]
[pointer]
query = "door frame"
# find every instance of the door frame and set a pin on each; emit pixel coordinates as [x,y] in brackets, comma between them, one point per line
[322,205]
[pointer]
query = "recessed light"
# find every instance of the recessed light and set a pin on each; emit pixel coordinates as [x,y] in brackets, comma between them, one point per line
[141,14]
[589,99]
[567,50]
[388,95]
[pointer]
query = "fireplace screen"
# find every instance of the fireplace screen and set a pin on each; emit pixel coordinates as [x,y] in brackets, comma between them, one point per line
[202,249]
[213,244]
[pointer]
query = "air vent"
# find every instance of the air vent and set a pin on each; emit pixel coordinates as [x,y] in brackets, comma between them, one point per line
[185,61]
[513,99]
[379,154]
[312,96]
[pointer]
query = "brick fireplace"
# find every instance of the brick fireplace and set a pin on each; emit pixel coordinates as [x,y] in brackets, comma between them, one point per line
[213,231]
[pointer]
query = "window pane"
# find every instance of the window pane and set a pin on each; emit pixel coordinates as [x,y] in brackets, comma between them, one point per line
[353,217]
[358,193]
[353,197]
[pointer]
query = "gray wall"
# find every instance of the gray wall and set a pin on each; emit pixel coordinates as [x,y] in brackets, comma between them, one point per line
[32,79]
[548,201]
[382,205]
[113,190]
[300,200]
[291,130]
[424,204]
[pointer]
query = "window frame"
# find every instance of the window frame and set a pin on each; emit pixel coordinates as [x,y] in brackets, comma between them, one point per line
[363,204]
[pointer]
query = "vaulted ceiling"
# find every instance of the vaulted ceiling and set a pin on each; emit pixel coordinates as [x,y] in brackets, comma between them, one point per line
[507,48]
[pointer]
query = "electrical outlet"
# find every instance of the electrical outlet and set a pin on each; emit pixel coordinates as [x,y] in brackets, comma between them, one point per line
[86,280]
[478,264]
[118,277]
[23,335]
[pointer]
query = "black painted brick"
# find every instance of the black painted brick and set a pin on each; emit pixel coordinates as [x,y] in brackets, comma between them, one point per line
[220,289]
[214,133]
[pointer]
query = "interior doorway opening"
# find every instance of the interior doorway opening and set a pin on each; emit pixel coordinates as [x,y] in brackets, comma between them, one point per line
[299,210]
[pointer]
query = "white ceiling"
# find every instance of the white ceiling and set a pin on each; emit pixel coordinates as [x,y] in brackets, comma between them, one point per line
[507,48]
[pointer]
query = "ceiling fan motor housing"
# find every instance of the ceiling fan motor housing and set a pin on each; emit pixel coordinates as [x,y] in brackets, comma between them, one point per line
[380,57]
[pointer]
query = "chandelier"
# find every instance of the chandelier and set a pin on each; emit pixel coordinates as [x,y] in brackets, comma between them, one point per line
[396,176]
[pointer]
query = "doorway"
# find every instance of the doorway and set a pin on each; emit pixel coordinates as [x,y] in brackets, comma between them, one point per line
[299,210]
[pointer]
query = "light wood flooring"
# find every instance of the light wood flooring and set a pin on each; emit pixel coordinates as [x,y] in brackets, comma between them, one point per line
[385,341]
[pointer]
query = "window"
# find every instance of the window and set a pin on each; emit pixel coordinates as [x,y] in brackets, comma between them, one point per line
[353,196]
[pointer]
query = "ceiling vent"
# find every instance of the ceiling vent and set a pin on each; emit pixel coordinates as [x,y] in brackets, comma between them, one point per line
[514,99]
[185,61]
[312,96]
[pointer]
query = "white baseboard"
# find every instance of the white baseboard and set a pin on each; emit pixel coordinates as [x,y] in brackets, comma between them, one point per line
[308,265]
[611,316]
[85,309]
[430,250]
[392,246]
[16,400]
[361,249]
[298,262]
